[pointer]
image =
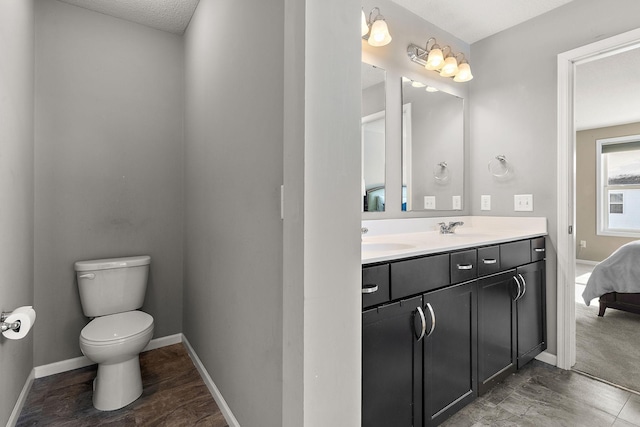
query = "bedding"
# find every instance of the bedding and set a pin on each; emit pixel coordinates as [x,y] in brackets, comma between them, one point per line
[620,272]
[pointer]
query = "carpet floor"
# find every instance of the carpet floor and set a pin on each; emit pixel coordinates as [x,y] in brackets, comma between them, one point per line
[607,347]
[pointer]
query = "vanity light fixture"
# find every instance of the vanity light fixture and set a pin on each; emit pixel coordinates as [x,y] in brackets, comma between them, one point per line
[375,30]
[442,60]
[419,85]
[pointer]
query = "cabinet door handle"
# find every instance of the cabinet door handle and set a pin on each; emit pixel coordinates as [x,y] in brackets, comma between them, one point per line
[524,285]
[490,261]
[519,288]
[465,266]
[423,321]
[369,289]
[433,320]
[538,249]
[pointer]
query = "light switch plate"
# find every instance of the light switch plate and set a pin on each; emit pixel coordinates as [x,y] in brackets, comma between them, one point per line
[457,202]
[523,203]
[429,202]
[485,202]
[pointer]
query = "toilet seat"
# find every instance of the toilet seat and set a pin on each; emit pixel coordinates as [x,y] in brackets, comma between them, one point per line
[113,328]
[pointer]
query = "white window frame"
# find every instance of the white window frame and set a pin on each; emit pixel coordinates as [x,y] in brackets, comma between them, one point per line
[602,202]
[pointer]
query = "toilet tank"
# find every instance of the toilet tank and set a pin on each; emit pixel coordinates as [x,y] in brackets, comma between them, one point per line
[113,285]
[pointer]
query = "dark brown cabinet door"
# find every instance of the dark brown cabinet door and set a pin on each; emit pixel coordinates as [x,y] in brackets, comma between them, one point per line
[391,364]
[450,351]
[496,328]
[531,309]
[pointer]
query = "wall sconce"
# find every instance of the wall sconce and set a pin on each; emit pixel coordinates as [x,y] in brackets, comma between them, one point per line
[375,30]
[442,60]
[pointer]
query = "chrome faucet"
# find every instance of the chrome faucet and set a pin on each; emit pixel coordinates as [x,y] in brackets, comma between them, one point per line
[449,229]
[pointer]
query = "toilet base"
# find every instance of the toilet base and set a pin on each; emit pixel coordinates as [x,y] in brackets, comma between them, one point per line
[117,384]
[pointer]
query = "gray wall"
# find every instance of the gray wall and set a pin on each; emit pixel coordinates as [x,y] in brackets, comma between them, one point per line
[598,247]
[514,110]
[233,230]
[406,28]
[108,164]
[16,190]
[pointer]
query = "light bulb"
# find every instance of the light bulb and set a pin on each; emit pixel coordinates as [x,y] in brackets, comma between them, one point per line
[464,73]
[450,67]
[364,26]
[379,35]
[434,59]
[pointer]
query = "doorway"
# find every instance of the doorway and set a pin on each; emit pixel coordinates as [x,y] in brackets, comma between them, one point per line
[567,63]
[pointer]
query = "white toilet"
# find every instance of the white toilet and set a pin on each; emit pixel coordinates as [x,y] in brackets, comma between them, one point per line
[111,291]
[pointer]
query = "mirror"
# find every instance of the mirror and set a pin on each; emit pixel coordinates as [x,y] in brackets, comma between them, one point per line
[373,138]
[432,148]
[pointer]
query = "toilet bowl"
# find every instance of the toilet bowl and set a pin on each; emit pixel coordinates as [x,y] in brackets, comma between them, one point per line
[111,292]
[114,343]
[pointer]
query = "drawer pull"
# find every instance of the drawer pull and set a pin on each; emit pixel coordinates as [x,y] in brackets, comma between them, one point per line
[490,261]
[369,289]
[538,249]
[423,324]
[465,266]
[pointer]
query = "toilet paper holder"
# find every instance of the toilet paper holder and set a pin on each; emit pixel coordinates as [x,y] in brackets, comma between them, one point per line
[5,326]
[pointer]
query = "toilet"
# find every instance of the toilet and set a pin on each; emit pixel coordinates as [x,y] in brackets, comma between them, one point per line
[111,292]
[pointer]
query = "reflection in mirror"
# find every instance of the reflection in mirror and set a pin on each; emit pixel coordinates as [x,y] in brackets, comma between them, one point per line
[373,138]
[432,148]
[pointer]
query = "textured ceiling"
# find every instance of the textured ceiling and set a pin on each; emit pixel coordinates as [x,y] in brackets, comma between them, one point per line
[473,20]
[166,15]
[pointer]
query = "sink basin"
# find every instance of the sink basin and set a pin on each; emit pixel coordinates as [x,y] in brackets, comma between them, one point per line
[370,246]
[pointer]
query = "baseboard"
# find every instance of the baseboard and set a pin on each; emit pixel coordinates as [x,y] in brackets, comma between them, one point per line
[548,358]
[586,262]
[82,361]
[22,398]
[213,389]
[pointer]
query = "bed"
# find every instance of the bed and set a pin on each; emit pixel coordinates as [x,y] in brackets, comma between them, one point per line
[616,280]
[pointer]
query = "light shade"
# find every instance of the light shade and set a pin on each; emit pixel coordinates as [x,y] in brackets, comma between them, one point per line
[464,73]
[450,67]
[364,26]
[379,35]
[435,59]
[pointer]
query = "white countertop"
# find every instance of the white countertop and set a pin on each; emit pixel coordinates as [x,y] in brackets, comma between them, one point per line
[402,238]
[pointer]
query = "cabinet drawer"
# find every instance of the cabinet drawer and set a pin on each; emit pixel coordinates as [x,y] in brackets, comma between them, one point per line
[488,260]
[419,275]
[537,249]
[375,285]
[464,266]
[515,254]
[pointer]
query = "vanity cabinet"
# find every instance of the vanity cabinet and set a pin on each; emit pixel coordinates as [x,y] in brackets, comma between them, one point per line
[497,338]
[450,352]
[391,364]
[531,312]
[511,312]
[447,327]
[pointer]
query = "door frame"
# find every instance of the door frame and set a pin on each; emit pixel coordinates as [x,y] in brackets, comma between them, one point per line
[566,250]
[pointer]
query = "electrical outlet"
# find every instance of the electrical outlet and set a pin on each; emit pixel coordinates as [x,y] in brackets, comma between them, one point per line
[457,203]
[429,202]
[485,202]
[583,244]
[523,202]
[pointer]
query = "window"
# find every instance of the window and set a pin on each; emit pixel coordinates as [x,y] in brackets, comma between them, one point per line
[618,164]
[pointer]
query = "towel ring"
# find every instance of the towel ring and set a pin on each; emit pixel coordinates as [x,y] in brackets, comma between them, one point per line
[499,167]
[441,172]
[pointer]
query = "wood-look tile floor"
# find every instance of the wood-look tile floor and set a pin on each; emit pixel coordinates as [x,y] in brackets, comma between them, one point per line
[173,395]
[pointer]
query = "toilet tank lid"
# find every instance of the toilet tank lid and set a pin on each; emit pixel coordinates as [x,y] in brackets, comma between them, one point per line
[108,263]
